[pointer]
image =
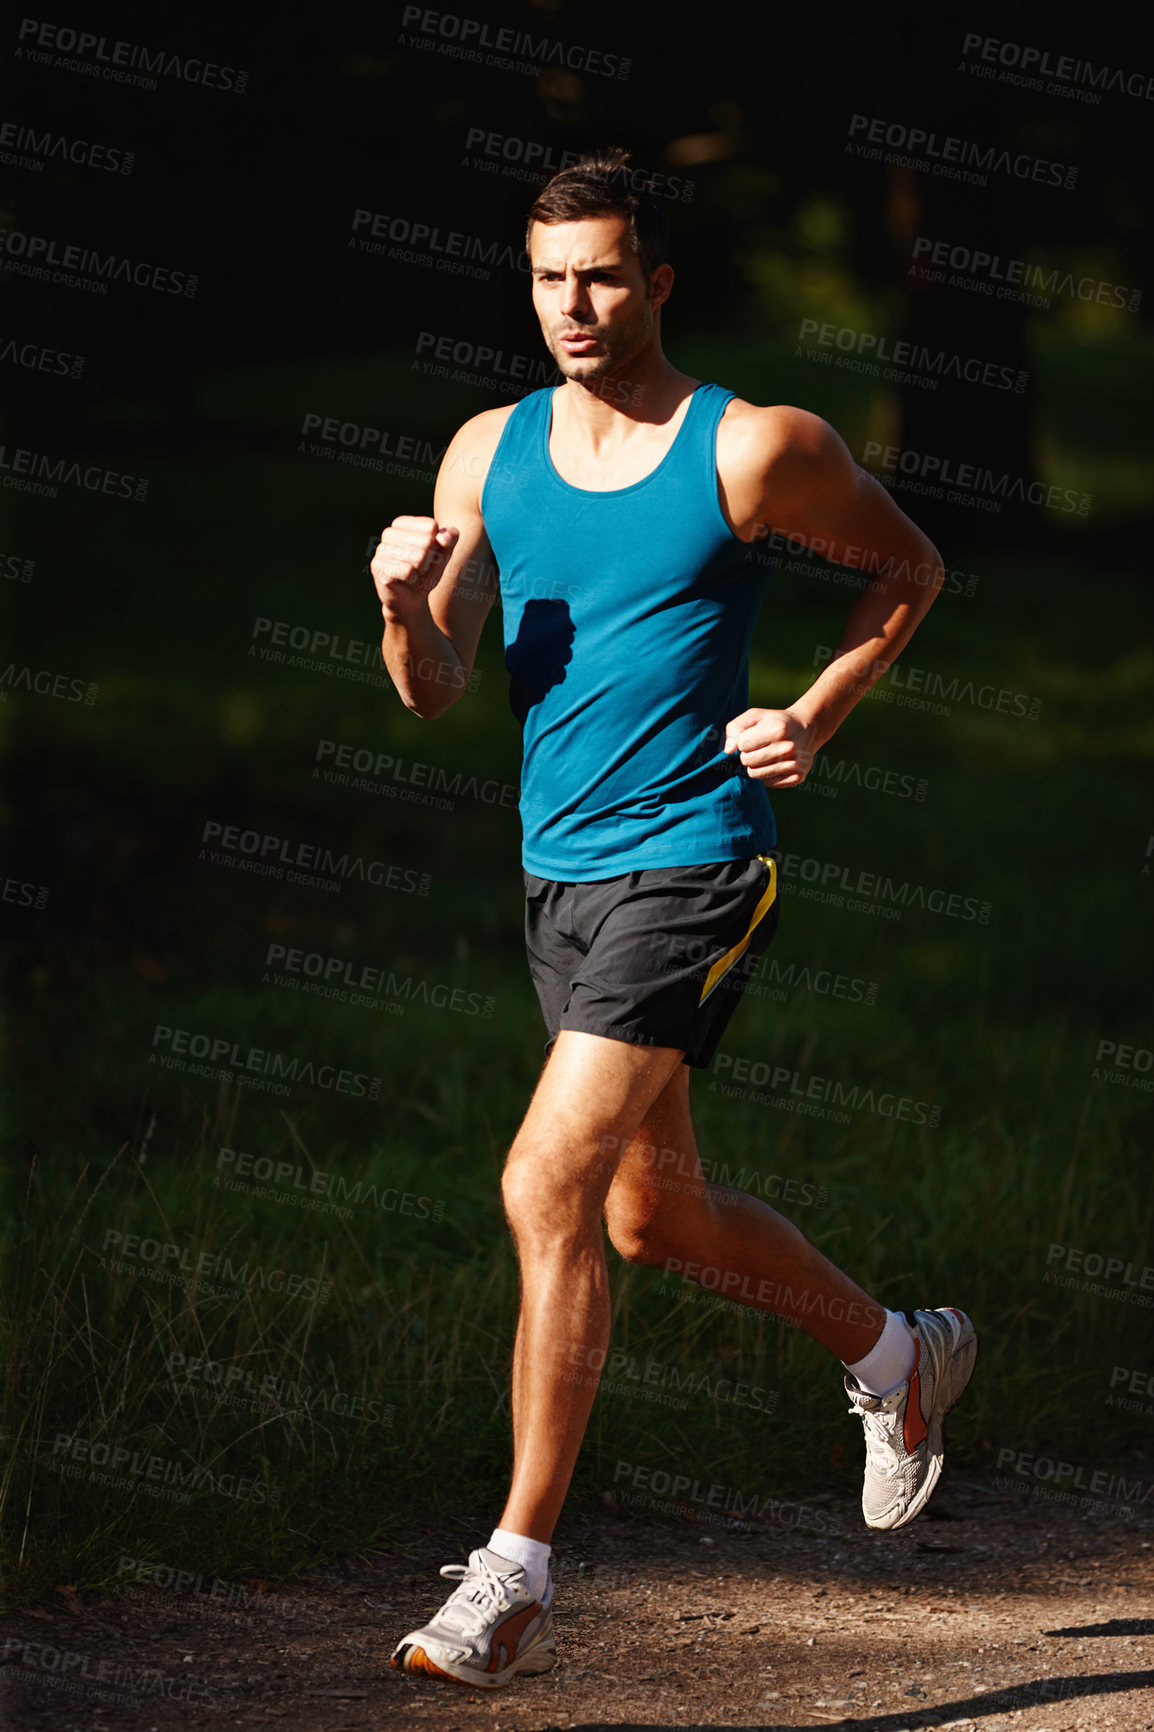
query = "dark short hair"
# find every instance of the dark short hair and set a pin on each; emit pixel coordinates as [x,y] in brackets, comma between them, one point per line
[602,184]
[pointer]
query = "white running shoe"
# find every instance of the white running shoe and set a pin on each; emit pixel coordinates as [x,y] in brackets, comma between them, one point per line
[903,1430]
[488,1630]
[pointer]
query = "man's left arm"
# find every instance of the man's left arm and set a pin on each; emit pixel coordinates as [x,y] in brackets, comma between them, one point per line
[811,491]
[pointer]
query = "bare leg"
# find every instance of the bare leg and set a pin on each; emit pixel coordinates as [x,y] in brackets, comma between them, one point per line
[660,1208]
[592,1095]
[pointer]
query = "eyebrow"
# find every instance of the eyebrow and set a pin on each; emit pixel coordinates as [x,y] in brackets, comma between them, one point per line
[582,270]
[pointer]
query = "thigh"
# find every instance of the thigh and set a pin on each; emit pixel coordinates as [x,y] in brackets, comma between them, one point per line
[660,1166]
[592,1095]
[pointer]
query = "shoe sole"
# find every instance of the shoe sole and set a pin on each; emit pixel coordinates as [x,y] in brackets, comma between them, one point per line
[541,1657]
[959,1369]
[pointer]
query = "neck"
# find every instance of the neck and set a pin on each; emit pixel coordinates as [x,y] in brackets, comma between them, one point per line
[646,389]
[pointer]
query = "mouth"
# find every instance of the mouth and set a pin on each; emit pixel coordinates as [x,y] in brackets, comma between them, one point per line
[577,342]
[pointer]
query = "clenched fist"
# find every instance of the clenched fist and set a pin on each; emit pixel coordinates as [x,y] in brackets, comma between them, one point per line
[408,563]
[775,746]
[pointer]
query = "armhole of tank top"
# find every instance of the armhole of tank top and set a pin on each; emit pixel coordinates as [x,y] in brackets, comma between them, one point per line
[497,450]
[711,460]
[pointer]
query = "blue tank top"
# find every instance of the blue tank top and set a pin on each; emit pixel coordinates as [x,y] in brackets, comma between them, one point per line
[627,618]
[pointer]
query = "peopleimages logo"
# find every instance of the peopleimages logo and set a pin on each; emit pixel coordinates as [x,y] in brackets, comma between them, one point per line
[103,1680]
[505,154]
[1125,1064]
[1028,67]
[85,267]
[344,979]
[36,472]
[826,1090]
[508,50]
[235,1384]
[27,148]
[372,768]
[689,1169]
[910,363]
[681,1491]
[289,1184]
[203,1592]
[1139,1382]
[122,1248]
[1012,279]
[331,430]
[277,852]
[811,556]
[126,1464]
[1002,700]
[39,359]
[942,154]
[665,1383]
[481,363]
[829,881]
[1080,1267]
[120,62]
[47,684]
[24,892]
[423,243]
[968,483]
[830,775]
[1074,1476]
[220,1050]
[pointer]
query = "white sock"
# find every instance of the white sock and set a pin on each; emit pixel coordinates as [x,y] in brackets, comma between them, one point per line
[889,1361]
[533,1555]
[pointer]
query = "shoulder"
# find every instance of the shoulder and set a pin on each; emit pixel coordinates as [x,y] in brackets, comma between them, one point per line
[777,450]
[468,455]
[748,432]
[773,462]
[481,434]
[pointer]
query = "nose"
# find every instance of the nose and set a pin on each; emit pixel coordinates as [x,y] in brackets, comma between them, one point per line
[574,297]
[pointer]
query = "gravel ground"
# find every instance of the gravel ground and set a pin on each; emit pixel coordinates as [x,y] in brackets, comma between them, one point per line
[990,1612]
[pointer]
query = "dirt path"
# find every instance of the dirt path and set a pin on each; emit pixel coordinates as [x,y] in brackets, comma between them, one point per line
[988,1613]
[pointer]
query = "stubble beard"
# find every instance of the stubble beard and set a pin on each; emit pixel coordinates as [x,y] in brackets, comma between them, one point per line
[620,346]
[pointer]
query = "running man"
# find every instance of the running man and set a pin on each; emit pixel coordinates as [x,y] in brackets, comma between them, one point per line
[620,510]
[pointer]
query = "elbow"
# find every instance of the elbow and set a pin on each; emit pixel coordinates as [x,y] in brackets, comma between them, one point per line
[429,708]
[937,567]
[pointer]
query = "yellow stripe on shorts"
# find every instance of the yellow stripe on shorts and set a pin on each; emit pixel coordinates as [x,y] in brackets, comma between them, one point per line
[724,963]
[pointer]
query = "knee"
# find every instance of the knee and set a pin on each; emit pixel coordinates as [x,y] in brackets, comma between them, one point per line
[637,1235]
[540,1208]
[523,1198]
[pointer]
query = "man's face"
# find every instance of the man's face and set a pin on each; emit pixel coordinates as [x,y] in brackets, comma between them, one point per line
[591,296]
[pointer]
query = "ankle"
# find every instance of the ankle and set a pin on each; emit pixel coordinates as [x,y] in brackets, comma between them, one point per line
[889,1361]
[532,1555]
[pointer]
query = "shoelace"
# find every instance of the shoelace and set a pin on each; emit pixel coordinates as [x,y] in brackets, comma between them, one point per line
[882,1449]
[881,1438]
[463,1612]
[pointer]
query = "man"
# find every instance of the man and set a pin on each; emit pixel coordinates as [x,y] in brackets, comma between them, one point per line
[620,510]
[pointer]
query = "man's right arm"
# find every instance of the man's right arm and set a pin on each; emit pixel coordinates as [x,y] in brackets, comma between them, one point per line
[436,577]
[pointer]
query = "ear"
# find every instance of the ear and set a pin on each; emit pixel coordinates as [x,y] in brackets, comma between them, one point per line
[660,284]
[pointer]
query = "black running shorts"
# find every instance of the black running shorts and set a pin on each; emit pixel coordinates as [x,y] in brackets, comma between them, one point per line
[653,958]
